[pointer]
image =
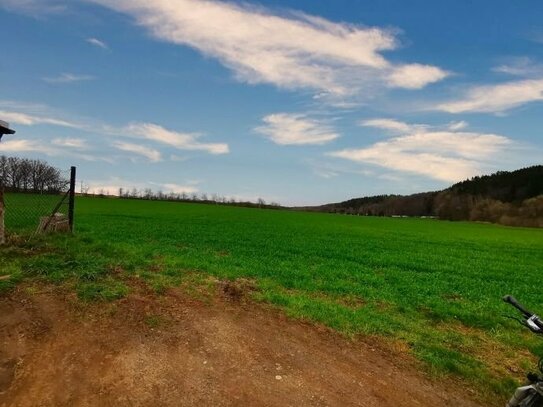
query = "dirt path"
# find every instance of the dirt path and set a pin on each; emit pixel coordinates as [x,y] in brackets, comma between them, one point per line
[176,351]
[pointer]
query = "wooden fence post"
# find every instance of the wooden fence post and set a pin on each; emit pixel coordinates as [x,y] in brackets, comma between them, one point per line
[2,228]
[71,201]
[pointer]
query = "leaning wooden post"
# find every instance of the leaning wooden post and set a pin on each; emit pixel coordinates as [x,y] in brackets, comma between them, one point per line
[4,129]
[2,211]
[71,202]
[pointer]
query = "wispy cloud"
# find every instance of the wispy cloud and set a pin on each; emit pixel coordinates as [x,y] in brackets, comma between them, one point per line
[27,119]
[392,125]
[181,141]
[24,145]
[33,115]
[56,148]
[295,129]
[457,125]
[138,149]
[447,155]
[34,7]
[97,43]
[292,50]
[522,67]
[325,173]
[535,35]
[69,78]
[496,98]
[398,127]
[77,143]
[111,186]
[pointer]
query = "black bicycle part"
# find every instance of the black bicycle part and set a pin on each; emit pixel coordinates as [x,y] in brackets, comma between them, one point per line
[511,300]
[535,401]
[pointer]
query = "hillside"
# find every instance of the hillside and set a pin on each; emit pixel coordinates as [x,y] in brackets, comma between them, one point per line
[514,186]
[512,198]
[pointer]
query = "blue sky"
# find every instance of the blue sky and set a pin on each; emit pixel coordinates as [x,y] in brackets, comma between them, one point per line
[299,102]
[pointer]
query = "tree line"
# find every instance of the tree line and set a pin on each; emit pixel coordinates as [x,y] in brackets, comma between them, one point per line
[150,195]
[510,198]
[27,175]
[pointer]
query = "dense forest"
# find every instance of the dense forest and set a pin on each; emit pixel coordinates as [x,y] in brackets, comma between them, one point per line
[511,198]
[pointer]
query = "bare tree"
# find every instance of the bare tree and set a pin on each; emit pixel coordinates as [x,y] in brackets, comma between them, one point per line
[21,174]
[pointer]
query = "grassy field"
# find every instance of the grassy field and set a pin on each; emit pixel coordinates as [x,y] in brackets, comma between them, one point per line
[429,288]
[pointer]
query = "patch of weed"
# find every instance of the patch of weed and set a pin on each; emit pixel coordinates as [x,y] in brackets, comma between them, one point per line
[103,290]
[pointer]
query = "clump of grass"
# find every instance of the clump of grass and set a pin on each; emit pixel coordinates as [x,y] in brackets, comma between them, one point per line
[154,321]
[104,290]
[10,276]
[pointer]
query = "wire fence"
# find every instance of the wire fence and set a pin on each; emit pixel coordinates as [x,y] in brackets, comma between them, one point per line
[32,210]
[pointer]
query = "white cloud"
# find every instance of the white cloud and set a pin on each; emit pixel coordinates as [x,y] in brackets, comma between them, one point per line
[181,141]
[177,189]
[69,78]
[415,76]
[399,127]
[387,124]
[496,98]
[457,125]
[292,50]
[445,155]
[34,7]
[26,119]
[97,43]
[295,129]
[113,185]
[32,115]
[106,187]
[24,145]
[147,152]
[521,67]
[76,143]
[19,145]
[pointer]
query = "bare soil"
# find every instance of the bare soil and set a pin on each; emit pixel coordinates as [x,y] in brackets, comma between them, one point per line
[174,350]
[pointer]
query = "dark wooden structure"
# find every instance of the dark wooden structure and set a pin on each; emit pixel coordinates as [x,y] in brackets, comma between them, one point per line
[4,129]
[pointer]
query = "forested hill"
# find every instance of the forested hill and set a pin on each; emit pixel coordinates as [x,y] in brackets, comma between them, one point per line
[511,198]
[505,186]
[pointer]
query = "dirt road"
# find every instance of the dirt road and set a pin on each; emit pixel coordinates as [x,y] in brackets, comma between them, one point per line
[173,350]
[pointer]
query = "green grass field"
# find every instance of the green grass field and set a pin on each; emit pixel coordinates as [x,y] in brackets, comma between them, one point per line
[429,288]
[24,210]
